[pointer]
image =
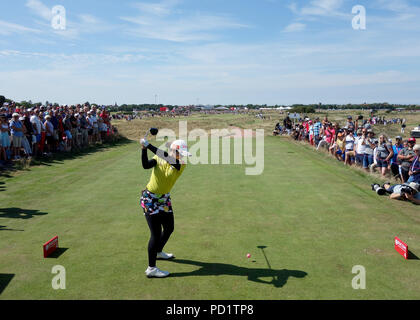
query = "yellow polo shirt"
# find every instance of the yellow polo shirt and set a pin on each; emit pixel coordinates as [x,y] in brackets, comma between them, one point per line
[163,177]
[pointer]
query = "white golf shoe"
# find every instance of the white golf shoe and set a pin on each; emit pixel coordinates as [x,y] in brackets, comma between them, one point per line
[165,256]
[156,273]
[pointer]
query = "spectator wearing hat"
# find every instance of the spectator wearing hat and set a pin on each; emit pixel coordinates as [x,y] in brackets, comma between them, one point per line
[369,144]
[414,172]
[397,194]
[360,147]
[406,157]
[395,166]
[340,146]
[17,135]
[350,123]
[37,129]
[25,142]
[89,119]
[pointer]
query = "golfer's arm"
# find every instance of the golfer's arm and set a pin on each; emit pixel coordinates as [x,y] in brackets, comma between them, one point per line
[165,156]
[147,164]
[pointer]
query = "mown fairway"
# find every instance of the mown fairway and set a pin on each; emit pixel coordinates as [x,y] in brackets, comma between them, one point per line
[307,220]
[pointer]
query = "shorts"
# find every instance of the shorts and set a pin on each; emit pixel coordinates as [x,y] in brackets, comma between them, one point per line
[381,163]
[38,138]
[341,153]
[155,203]
[17,142]
[68,134]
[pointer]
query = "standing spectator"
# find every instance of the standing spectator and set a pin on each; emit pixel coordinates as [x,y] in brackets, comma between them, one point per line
[49,133]
[350,123]
[83,128]
[67,130]
[360,147]
[95,126]
[287,123]
[4,138]
[25,142]
[17,134]
[384,154]
[89,119]
[369,144]
[317,131]
[37,127]
[414,172]
[406,157]
[396,148]
[74,131]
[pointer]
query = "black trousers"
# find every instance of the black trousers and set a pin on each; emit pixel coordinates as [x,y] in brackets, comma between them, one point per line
[158,237]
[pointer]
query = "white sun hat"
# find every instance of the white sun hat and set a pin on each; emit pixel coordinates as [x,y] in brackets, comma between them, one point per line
[182,147]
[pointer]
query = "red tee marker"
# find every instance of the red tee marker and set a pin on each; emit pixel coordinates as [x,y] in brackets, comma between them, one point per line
[401,247]
[50,246]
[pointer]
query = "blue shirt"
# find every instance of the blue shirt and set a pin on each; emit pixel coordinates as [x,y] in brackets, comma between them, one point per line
[396,151]
[317,128]
[16,124]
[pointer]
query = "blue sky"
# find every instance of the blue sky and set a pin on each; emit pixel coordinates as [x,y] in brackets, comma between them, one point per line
[214,52]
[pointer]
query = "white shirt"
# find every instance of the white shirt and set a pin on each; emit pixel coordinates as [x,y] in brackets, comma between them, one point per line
[349,142]
[360,148]
[37,123]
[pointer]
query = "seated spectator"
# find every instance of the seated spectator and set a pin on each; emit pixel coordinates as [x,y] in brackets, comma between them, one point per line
[350,153]
[409,192]
[340,146]
[414,172]
[277,129]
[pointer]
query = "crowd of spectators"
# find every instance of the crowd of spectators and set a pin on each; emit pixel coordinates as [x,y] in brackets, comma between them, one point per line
[356,143]
[45,130]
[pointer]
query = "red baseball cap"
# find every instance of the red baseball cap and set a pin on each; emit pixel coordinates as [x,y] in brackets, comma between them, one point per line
[412,140]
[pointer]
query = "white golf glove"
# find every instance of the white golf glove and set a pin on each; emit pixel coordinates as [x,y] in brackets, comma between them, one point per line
[144,142]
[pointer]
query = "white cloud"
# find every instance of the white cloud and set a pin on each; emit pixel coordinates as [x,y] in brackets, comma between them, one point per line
[161,9]
[7,28]
[295,27]
[161,21]
[40,9]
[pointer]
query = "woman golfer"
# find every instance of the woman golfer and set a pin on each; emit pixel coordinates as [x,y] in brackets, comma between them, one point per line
[156,200]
